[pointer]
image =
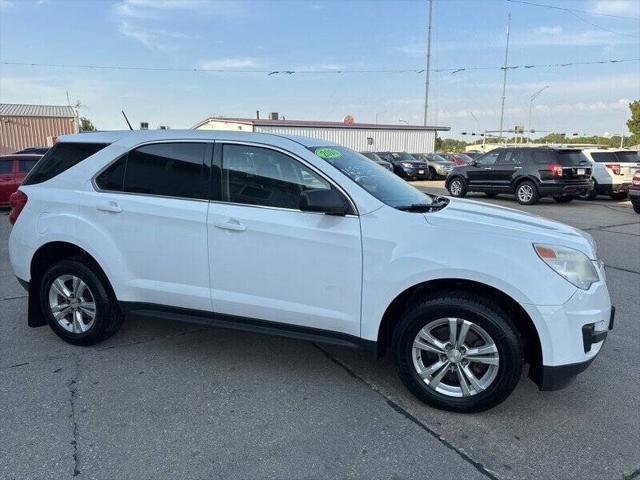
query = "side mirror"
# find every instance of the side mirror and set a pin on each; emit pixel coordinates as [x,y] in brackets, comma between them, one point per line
[323,201]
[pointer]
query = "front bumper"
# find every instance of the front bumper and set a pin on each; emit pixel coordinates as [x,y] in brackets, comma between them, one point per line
[571,334]
[414,173]
[559,376]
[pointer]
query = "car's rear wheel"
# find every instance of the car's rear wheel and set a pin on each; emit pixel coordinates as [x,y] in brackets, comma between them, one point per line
[527,193]
[563,198]
[457,353]
[77,303]
[457,187]
[636,205]
[618,195]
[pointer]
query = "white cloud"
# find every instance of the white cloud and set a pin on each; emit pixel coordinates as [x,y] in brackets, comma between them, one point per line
[229,64]
[617,7]
[557,36]
[153,38]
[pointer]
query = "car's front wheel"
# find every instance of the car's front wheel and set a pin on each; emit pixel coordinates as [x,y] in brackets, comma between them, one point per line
[77,303]
[457,187]
[458,353]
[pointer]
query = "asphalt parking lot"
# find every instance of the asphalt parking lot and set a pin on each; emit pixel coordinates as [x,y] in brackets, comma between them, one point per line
[166,400]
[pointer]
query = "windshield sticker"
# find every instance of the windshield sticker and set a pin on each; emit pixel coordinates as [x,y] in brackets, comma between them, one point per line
[328,153]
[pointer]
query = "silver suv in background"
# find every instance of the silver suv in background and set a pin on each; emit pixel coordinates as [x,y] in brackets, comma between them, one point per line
[376,158]
[612,171]
[439,166]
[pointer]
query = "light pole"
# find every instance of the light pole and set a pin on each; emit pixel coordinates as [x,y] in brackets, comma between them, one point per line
[477,123]
[533,97]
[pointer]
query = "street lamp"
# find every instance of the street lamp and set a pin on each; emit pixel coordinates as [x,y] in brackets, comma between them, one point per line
[533,97]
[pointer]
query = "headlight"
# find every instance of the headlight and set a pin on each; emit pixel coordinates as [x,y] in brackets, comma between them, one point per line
[406,164]
[573,265]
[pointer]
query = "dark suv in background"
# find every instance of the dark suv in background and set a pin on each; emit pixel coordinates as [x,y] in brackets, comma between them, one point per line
[406,166]
[528,172]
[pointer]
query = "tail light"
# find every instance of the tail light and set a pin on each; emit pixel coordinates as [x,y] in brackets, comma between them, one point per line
[17,200]
[614,167]
[556,170]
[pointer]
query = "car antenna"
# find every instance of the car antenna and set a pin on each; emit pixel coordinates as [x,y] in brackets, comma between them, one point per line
[127,120]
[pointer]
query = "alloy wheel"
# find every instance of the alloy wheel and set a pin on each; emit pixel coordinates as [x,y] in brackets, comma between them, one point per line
[72,304]
[455,188]
[455,357]
[525,193]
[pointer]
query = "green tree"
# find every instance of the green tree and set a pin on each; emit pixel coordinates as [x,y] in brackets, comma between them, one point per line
[86,125]
[633,124]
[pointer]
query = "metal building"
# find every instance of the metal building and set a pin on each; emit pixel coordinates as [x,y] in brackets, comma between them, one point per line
[23,126]
[357,136]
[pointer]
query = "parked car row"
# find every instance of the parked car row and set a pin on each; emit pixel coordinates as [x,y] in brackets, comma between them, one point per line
[419,166]
[558,172]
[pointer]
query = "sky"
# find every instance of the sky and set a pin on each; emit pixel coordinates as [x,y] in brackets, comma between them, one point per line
[316,39]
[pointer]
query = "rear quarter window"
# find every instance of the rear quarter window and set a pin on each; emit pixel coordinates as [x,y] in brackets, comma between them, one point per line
[604,157]
[571,157]
[6,166]
[59,158]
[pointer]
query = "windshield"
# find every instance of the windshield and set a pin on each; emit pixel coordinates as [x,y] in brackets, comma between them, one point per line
[434,157]
[378,181]
[403,157]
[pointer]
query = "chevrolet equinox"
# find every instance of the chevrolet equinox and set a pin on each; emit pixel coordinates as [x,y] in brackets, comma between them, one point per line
[303,238]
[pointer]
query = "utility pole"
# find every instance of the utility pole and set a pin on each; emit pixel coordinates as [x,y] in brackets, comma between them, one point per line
[504,78]
[426,84]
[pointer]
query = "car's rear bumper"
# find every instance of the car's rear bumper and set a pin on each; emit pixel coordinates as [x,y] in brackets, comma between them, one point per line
[608,188]
[562,188]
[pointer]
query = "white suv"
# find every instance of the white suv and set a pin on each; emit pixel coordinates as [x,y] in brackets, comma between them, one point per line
[298,237]
[612,171]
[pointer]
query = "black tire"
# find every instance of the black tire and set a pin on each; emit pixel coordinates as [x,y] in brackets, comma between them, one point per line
[432,174]
[457,187]
[491,318]
[636,205]
[491,194]
[107,317]
[618,195]
[563,199]
[527,193]
[591,194]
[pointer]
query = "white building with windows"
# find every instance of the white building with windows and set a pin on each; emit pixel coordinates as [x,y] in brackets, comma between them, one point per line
[361,137]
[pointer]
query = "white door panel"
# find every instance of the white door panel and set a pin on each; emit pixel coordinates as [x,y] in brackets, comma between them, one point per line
[163,242]
[286,266]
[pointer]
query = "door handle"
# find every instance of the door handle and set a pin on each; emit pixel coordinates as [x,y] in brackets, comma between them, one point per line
[110,206]
[488,168]
[517,168]
[233,225]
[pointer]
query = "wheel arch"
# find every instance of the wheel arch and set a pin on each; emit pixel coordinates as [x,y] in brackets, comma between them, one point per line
[450,178]
[521,319]
[46,255]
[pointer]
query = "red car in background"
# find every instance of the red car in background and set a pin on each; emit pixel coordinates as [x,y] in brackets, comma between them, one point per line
[13,170]
[458,158]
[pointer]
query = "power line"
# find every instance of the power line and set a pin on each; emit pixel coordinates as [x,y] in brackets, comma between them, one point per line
[555,7]
[290,72]
[573,13]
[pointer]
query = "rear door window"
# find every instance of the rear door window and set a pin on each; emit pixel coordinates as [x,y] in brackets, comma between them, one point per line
[166,169]
[61,157]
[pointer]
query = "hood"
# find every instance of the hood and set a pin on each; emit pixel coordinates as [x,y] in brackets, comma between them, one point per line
[472,218]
